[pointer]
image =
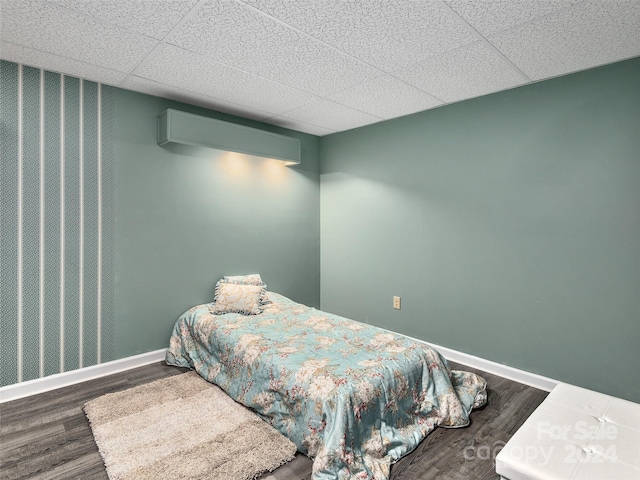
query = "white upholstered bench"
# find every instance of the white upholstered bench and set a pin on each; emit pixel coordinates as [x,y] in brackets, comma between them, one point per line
[575,434]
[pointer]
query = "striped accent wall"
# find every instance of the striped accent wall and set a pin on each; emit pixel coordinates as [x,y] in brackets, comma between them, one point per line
[56,223]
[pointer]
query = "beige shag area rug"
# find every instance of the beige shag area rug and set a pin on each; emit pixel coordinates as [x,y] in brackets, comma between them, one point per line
[183,427]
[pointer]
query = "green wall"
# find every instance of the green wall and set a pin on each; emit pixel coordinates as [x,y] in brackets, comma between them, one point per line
[171,221]
[509,225]
[185,217]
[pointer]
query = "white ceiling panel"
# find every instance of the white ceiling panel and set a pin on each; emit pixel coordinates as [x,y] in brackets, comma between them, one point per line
[589,34]
[49,28]
[469,71]
[318,66]
[387,34]
[181,69]
[386,97]
[331,115]
[234,34]
[144,85]
[493,16]
[56,63]
[151,17]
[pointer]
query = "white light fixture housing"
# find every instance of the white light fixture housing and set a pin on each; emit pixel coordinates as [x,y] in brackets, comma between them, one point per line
[184,128]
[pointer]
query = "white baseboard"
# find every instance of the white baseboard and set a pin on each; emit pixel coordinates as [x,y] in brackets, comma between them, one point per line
[504,371]
[59,380]
[40,385]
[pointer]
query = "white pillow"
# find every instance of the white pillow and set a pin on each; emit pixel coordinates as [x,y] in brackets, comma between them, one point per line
[251,279]
[232,298]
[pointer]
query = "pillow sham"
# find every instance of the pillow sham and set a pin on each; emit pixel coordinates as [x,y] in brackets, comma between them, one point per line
[233,298]
[251,279]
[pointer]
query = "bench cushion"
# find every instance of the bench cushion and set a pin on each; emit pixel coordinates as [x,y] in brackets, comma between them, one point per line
[575,434]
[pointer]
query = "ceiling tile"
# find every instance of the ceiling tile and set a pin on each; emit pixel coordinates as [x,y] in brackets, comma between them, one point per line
[390,35]
[330,115]
[235,34]
[150,87]
[52,29]
[385,97]
[55,63]
[152,18]
[589,34]
[185,70]
[469,71]
[497,15]
[318,66]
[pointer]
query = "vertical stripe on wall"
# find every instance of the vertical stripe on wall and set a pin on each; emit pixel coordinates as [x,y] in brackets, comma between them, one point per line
[41,241]
[56,223]
[30,223]
[19,270]
[71,223]
[108,222]
[52,216]
[90,229]
[62,232]
[8,224]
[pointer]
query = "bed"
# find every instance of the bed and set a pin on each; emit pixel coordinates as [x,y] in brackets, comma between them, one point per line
[353,397]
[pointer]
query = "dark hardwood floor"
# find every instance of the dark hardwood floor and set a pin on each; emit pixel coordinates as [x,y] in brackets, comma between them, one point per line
[47,436]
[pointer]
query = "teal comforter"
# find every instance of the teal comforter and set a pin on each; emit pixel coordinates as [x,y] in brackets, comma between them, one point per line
[353,397]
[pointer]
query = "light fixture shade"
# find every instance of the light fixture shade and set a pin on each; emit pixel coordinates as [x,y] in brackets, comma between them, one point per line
[179,127]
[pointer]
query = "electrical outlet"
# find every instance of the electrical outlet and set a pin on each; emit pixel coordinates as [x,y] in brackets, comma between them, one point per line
[396,303]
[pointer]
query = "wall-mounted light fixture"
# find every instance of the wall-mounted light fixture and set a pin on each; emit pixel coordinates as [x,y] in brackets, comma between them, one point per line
[184,128]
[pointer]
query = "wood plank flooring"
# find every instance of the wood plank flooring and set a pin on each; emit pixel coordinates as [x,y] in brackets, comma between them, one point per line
[47,436]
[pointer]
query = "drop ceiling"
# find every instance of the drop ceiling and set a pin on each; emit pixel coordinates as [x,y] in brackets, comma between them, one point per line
[318,66]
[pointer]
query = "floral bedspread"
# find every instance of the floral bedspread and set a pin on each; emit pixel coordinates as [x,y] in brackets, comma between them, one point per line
[353,397]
